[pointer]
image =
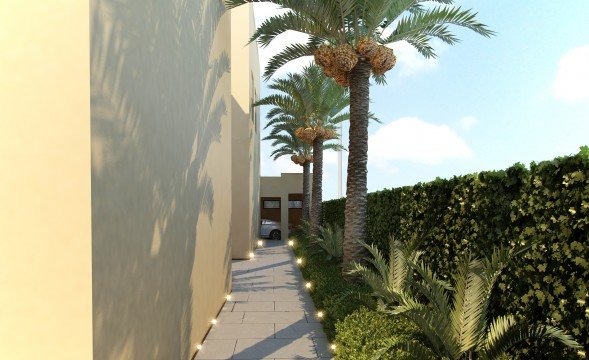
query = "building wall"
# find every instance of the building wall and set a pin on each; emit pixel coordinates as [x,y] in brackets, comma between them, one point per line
[281,186]
[115,155]
[45,227]
[161,174]
[245,133]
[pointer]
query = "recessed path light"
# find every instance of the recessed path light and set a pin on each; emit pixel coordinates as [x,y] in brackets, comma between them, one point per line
[332,347]
[300,261]
[252,255]
[320,314]
[290,243]
[260,243]
[228,297]
[214,321]
[308,285]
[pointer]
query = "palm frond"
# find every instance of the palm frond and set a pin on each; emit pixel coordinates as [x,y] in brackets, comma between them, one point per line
[419,28]
[414,348]
[279,24]
[504,333]
[331,240]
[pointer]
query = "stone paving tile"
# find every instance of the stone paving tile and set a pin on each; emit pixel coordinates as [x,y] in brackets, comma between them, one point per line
[302,348]
[240,296]
[275,317]
[242,331]
[270,315]
[298,330]
[216,349]
[294,306]
[228,307]
[255,306]
[230,317]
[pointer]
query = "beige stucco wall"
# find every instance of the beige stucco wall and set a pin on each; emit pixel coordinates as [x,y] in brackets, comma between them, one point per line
[115,155]
[45,229]
[281,186]
[161,174]
[245,88]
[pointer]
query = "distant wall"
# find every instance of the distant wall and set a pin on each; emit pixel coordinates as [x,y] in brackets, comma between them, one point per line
[45,229]
[281,186]
[161,174]
[245,133]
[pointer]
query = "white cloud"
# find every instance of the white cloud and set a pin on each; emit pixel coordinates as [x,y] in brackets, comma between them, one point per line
[415,140]
[572,77]
[467,122]
[270,167]
[411,62]
[262,11]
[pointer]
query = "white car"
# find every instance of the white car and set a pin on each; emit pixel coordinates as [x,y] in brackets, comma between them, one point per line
[270,229]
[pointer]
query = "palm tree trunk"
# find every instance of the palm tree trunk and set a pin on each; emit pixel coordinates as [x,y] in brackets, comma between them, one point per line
[306,190]
[355,213]
[317,193]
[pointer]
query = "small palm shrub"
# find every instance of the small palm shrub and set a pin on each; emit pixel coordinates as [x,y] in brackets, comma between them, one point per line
[364,332]
[304,230]
[331,240]
[455,321]
[388,280]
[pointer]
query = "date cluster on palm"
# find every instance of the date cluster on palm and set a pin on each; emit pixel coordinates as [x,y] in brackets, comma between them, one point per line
[338,61]
[301,160]
[308,134]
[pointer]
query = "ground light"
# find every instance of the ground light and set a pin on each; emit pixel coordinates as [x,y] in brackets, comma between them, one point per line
[332,347]
[320,314]
[308,285]
[252,255]
[260,243]
[214,321]
[290,243]
[228,297]
[300,261]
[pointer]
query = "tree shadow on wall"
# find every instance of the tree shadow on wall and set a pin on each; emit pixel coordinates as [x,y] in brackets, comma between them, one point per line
[155,115]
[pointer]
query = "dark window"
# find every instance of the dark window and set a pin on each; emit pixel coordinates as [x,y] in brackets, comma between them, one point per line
[271,204]
[295,204]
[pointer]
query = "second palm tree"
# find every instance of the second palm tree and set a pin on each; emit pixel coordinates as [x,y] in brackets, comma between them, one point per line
[314,105]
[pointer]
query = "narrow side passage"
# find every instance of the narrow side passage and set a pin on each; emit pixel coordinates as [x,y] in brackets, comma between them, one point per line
[270,315]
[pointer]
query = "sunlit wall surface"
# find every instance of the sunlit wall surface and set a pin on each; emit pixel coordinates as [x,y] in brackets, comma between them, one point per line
[245,133]
[161,174]
[115,176]
[45,229]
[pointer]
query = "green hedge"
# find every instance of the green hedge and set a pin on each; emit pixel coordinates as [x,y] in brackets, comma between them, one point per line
[547,204]
[365,331]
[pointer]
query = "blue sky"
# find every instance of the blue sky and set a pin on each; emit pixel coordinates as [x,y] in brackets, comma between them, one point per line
[484,104]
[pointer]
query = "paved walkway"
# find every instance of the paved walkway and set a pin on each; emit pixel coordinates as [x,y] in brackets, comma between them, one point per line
[270,315]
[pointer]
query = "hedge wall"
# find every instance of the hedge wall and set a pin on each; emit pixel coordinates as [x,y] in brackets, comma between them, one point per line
[547,203]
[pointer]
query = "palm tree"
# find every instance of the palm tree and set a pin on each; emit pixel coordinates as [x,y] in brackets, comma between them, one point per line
[347,38]
[287,144]
[455,320]
[314,104]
